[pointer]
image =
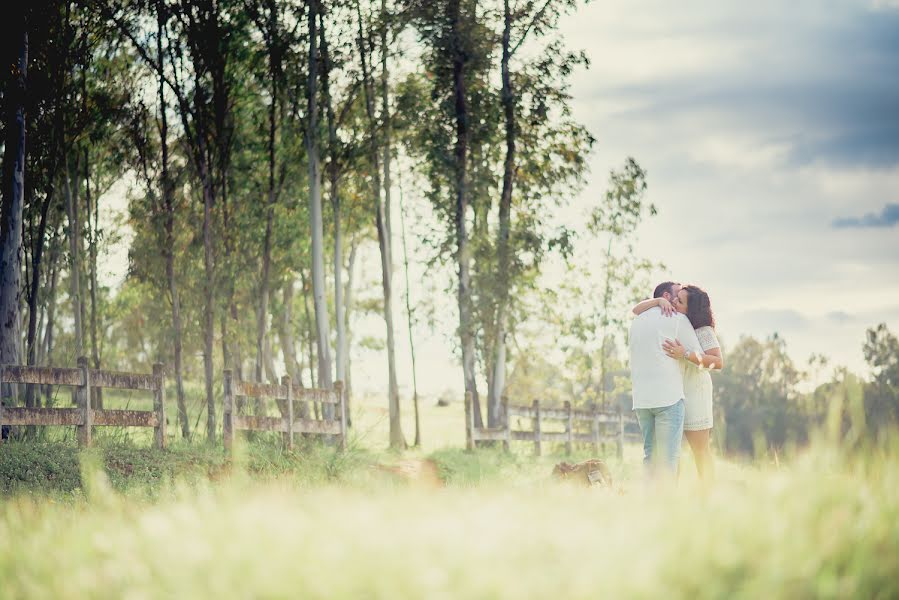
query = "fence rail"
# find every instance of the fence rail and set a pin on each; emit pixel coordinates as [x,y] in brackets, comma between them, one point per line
[83,416]
[286,395]
[600,424]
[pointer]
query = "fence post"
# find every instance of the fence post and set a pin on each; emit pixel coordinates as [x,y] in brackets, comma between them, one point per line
[159,404]
[338,387]
[469,423]
[569,428]
[84,403]
[619,444]
[508,424]
[537,440]
[228,411]
[594,429]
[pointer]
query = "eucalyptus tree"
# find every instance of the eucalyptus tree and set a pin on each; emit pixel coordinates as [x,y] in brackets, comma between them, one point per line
[105,86]
[159,165]
[167,187]
[202,35]
[313,157]
[341,97]
[615,221]
[410,318]
[380,142]
[535,104]
[15,73]
[270,20]
[41,203]
[457,50]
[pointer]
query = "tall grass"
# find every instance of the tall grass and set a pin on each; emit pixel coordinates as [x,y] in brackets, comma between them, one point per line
[826,525]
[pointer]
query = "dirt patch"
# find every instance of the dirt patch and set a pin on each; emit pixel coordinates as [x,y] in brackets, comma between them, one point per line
[419,472]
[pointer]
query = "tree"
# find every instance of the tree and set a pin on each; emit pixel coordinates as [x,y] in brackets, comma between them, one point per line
[881,351]
[531,91]
[315,204]
[758,397]
[410,319]
[269,22]
[15,68]
[457,60]
[617,219]
[380,137]
[167,186]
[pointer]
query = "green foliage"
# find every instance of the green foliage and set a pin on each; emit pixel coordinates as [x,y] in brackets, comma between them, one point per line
[38,468]
[759,406]
[53,468]
[757,394]
[882,394]
[461,468]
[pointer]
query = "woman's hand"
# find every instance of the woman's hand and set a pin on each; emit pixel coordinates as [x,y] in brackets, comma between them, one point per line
[667,307]
[674,349]
[662,303]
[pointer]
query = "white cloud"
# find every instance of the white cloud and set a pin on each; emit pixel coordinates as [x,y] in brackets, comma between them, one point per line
[752,121]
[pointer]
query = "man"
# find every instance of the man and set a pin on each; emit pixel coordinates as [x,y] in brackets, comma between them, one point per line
[657,381]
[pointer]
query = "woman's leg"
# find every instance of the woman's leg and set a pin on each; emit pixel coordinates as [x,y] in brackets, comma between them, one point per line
[702,453]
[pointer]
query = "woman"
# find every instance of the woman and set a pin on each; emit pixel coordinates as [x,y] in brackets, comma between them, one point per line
[694,303]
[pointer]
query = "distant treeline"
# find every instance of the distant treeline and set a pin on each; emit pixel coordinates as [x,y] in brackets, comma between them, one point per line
[759,402]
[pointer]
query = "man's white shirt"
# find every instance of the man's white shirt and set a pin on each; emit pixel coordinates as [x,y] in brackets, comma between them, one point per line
[656,378]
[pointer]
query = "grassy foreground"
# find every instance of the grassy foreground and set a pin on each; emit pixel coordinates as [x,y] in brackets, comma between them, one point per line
[825,526]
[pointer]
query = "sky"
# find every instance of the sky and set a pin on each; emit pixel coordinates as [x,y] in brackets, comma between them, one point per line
[770,134]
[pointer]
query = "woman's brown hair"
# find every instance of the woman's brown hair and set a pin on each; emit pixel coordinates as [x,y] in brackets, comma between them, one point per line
[699,307]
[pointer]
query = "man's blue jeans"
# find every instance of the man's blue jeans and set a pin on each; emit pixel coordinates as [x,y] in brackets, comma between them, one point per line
[662,430]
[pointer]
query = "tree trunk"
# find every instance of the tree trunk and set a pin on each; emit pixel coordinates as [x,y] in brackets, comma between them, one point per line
[606,302]
[74,262]
[396,432]
[168,197]
[315,213]
[92,209]
[460,155]
[288,345]
[209,308]
[310,336]
[417,442]
[34,302]
[505,210]
[13,191]
[269,362]
[348,389]
[310,329]
[397,440]
[262,309]
[51,313]
[386,123]
[334,181]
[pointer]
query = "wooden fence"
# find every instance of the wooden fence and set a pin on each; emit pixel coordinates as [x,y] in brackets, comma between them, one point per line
[604,426]
[286,395]
[83,417]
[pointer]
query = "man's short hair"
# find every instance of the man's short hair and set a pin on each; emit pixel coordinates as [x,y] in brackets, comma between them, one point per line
[662,289]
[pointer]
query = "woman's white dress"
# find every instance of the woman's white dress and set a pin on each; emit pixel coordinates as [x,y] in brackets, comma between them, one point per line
[698,386]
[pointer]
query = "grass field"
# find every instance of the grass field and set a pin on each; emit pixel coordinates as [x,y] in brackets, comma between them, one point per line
[321,524]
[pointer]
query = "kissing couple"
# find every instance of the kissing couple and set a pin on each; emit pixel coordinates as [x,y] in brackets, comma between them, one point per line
[672,345]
